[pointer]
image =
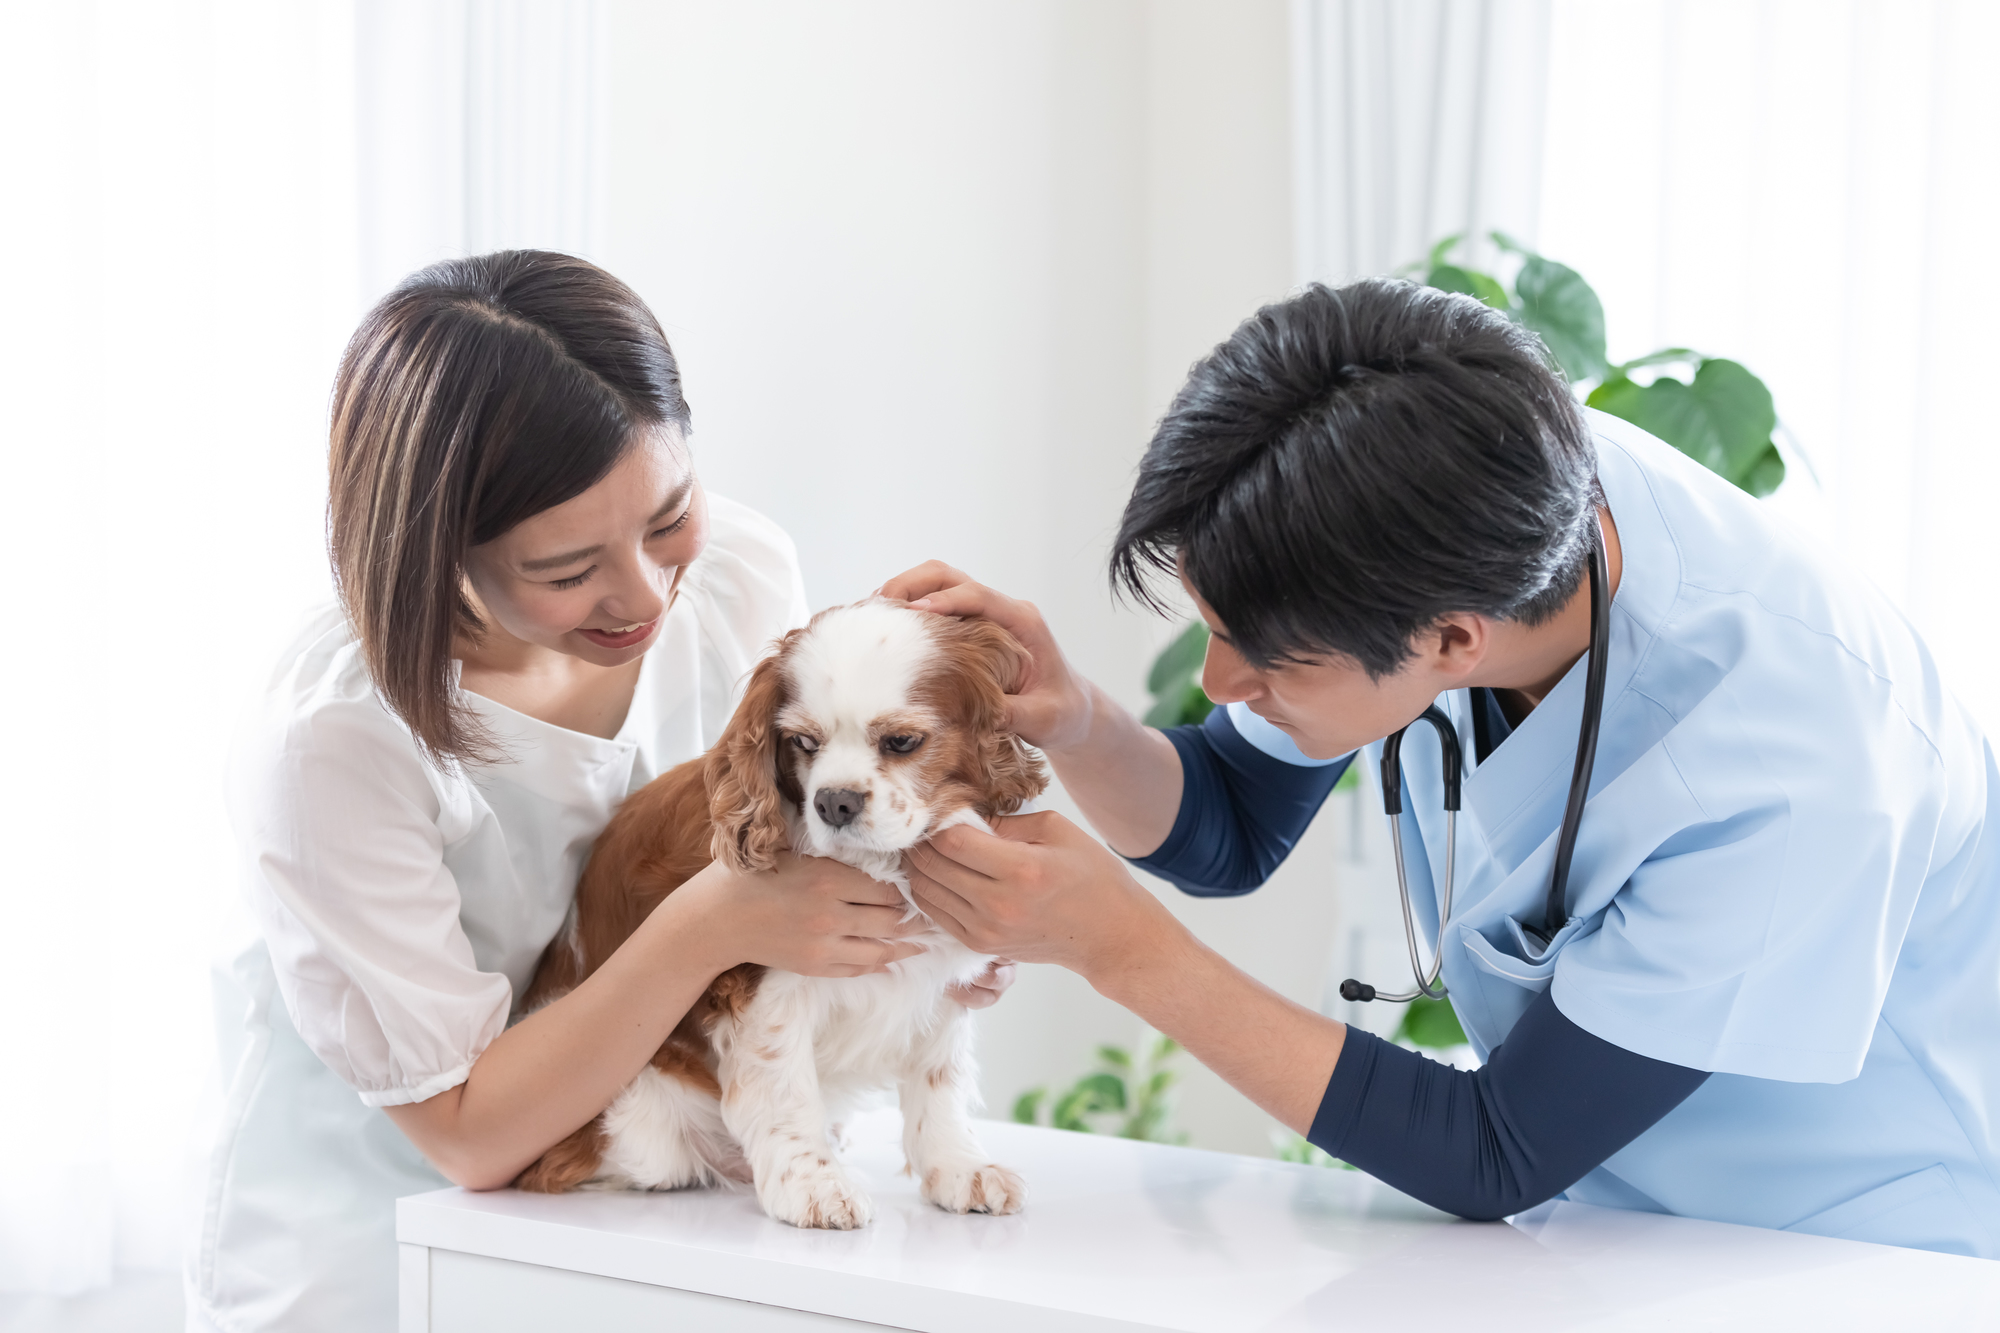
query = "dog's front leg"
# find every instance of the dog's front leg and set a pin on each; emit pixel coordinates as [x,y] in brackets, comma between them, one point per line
[771,1102]
[938,1090]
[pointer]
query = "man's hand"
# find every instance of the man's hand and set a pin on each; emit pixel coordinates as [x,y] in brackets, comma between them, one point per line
[1050,705]
[1042,891]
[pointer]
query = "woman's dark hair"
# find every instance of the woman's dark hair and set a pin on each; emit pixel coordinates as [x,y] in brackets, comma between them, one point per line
[478,393]
[1352,465]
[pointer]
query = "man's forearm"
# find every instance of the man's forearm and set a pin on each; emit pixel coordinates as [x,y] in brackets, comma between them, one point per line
[1124,776]
[1277,1053]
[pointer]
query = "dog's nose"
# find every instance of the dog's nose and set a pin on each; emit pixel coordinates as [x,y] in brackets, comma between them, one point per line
[839,806]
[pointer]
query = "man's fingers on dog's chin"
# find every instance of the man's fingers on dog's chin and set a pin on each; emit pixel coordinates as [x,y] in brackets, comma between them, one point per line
[1036,826]
[966,845]
[944,865]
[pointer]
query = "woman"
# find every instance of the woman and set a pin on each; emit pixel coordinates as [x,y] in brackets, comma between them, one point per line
[1768,990]
[540,610]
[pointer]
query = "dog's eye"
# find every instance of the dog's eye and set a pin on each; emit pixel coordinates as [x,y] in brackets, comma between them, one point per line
[806,743]
[901,744]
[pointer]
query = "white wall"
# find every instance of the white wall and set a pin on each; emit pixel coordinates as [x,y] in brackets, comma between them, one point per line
[933,271]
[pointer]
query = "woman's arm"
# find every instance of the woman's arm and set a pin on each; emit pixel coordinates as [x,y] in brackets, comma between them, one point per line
[556,1069]
[1124,775]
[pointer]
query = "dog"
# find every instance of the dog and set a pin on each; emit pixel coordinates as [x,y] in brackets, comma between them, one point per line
[866,731]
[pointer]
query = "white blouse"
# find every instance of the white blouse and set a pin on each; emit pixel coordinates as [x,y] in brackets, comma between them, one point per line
[402,910]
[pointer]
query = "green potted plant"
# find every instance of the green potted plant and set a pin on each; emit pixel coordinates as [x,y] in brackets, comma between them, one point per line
[1126,1096]
[1720,414]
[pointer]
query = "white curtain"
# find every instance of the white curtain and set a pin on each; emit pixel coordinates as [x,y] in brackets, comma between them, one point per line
[202,197]
[1416,119]
[1808,187]
[480,128]
[180,240]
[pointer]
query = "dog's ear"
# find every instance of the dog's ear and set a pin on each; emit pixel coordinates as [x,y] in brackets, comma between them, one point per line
[989,660]
[746,789]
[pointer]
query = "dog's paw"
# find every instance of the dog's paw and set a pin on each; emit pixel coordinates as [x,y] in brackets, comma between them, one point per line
[810,1192]
[975,1189]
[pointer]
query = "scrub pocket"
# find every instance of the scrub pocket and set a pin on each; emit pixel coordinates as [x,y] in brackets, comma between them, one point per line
[1506,977]
[1920,1211]
[1526,961]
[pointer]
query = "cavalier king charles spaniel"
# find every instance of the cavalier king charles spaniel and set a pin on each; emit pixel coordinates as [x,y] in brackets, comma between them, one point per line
[868,730]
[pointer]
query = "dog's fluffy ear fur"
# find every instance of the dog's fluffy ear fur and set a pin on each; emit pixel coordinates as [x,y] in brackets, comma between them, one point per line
[991,661]
[746,786]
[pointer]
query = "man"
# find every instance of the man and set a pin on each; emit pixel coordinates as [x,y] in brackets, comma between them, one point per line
[1771,991]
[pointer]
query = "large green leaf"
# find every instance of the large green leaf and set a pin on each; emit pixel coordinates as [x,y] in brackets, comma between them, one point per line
[1178,660]
[1559,305]
[1723,419]
[1664,357]
[1029,1105]
[1183,708]
[1470,281]
[1766,474]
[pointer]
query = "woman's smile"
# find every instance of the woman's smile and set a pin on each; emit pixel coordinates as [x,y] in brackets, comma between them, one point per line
[625,636]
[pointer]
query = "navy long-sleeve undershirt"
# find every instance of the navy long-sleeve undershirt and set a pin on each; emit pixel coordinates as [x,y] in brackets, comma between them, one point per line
[1552,1102]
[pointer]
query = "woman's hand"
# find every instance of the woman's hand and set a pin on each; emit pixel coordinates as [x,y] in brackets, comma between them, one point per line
[810,915]
[1042,891]
[986,988]
[1051,705]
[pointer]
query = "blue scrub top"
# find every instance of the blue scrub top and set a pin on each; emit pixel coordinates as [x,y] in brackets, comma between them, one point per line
[1783,876]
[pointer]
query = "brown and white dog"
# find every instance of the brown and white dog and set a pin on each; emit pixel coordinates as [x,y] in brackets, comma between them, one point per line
[868,730]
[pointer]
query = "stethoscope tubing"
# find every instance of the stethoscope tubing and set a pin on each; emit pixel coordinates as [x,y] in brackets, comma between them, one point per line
[1556,910]
[1427,981]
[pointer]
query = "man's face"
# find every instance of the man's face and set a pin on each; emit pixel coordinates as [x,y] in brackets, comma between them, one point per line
[1327,707]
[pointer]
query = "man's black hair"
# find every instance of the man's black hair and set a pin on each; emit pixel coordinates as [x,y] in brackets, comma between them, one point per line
[1352,465]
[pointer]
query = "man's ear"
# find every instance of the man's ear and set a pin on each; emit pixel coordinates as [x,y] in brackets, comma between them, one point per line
[1455,646]
[746,789]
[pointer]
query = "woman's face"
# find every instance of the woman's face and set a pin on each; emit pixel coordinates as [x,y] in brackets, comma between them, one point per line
[593,577]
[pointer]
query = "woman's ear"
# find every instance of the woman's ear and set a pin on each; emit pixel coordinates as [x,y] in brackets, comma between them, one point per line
[746,791]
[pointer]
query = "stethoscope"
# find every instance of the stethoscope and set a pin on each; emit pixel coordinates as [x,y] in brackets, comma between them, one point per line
[1557,909]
